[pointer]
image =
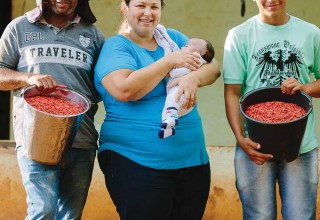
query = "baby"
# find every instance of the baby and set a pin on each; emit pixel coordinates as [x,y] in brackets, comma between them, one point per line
[172,109]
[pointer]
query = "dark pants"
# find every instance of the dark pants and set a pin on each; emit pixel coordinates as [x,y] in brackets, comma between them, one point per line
[142,193]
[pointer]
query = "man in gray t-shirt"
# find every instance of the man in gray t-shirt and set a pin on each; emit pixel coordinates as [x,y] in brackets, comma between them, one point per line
[55,43]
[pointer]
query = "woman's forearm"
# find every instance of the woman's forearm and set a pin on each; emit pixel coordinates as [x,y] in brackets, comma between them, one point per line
[207,74]
[127,85]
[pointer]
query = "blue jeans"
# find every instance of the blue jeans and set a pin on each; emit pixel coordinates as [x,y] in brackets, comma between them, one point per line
[59,191]
[297,182]
[142,193]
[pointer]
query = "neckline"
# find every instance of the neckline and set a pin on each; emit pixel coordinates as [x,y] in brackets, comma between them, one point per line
[270,26]
[137,45]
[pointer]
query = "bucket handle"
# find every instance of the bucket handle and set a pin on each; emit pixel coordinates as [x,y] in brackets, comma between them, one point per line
[241,100]
[23,90]
[244,96]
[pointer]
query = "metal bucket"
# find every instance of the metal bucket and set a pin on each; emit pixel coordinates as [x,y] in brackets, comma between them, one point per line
[45,136]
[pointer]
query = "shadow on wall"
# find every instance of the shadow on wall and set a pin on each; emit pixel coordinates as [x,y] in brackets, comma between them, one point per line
[223,200]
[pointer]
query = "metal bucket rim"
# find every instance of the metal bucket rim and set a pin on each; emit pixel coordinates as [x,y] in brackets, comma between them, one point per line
[64,89]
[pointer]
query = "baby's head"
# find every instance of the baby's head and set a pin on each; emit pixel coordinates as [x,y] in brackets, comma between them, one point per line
[203,47]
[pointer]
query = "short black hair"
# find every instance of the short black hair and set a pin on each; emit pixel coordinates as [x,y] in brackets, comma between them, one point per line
[209,55]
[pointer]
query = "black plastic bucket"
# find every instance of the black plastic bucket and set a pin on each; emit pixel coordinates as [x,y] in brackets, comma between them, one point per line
[283,139]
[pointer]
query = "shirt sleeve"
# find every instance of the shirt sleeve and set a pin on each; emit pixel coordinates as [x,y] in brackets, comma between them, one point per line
[9,49]
[234,66]
[316,68]
[115,54]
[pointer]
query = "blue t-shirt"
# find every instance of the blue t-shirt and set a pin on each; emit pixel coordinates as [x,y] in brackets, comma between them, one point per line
[131,128]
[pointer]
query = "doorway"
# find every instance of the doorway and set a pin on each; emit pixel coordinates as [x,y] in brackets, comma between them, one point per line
[5,18]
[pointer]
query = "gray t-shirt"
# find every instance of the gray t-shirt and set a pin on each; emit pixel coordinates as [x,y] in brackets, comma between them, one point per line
[68,54]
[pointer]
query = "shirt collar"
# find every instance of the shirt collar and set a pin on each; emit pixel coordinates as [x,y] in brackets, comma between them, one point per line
[76,20]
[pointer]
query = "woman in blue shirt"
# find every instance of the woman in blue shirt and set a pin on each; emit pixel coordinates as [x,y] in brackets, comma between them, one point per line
[147,177]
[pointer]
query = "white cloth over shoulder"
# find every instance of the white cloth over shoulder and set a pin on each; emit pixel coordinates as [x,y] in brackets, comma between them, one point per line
[163,39]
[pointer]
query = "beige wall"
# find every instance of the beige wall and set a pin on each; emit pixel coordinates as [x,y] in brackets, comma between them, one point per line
[202,18]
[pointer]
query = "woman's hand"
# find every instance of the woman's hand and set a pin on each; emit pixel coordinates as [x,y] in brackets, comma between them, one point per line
[250,148]
[188,86]
[291,86]
[184,59]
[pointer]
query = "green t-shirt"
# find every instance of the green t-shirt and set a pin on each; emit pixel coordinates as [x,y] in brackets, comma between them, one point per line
[258,55]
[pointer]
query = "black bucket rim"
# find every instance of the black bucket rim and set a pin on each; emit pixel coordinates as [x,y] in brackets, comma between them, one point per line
[274,123]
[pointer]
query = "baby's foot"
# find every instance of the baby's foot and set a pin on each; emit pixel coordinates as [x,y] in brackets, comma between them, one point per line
[169,122]
[164,133]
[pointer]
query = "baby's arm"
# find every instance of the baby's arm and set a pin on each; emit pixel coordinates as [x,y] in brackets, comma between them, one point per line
[181,71]
[177,72]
